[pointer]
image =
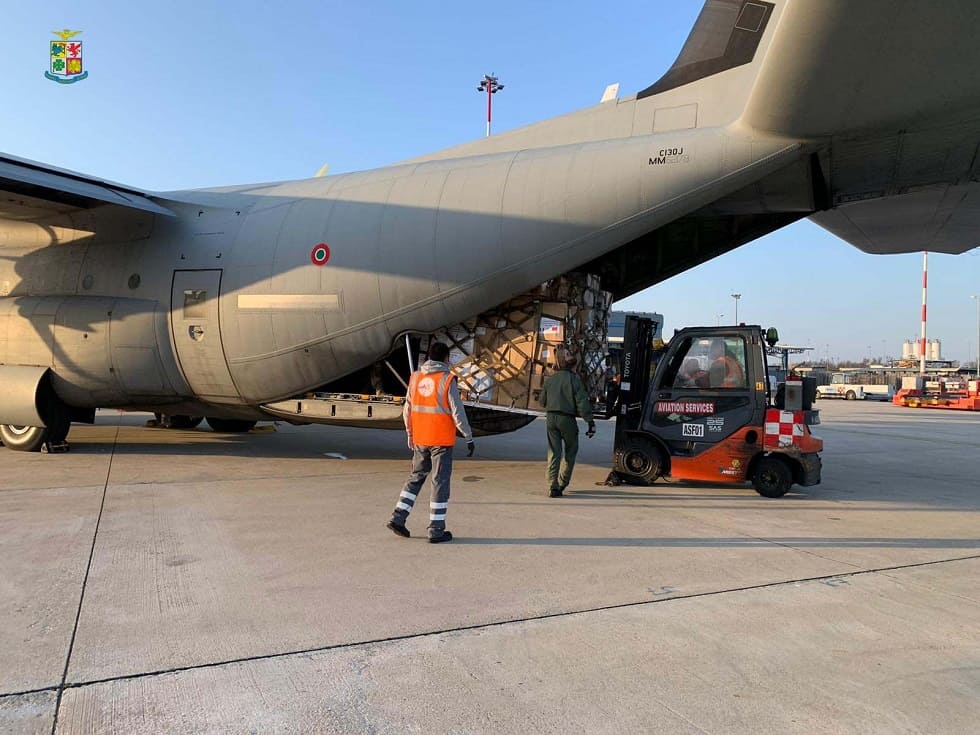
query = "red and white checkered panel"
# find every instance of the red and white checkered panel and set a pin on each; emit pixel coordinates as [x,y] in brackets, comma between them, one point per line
[783,428]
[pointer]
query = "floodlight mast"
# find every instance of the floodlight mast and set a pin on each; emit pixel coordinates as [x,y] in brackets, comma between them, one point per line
[977,299]
[922,339]
[491,86]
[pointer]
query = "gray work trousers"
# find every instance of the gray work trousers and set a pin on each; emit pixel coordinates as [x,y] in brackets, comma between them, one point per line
[437,461]
[562,429]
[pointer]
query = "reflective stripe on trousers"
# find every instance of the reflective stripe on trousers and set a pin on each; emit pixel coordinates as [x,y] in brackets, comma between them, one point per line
[437,461]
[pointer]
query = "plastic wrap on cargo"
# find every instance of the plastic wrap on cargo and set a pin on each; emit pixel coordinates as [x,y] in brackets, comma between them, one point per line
[502,356]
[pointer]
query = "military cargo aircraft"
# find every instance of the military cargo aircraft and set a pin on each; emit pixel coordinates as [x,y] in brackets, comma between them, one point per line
[863,116]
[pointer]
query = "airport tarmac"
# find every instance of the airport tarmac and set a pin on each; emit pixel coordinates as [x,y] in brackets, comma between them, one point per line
[187,581]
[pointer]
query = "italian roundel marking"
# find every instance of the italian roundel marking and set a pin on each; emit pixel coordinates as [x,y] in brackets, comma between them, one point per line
[427,387]
[320,254]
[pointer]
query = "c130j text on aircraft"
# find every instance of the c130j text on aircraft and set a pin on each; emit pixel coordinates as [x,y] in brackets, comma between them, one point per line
[864,117]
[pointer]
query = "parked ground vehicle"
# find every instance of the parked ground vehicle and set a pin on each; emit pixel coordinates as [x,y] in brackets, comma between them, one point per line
[961,395]
[708,414]
[850,387]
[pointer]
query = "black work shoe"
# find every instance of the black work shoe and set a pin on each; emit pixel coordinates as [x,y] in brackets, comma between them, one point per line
[446,536]
[399,529]
[555,494]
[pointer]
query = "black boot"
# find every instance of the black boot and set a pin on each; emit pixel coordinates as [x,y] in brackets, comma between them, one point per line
[398,528]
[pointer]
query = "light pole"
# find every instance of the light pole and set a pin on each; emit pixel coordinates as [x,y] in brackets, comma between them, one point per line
[718,320]
[977,299]
[491,87]
[736,296]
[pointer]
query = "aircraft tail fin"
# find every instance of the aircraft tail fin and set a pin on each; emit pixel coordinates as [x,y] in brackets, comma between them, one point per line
[726,35]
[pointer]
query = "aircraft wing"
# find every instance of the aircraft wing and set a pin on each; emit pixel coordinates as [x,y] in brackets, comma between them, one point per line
[34,192]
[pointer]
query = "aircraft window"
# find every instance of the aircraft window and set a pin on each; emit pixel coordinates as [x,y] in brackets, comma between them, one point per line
[751,17]
[194,304]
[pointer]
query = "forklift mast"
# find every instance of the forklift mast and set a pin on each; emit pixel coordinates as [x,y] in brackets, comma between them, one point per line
[635,376]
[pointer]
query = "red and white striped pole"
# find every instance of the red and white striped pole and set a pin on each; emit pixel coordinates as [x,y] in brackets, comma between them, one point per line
[491,86]
[489,106]
[922,340]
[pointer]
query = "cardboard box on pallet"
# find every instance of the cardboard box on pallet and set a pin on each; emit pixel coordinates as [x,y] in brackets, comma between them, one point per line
[505,354]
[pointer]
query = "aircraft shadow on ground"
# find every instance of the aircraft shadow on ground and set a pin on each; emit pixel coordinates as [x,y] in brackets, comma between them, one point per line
[359,444]
[736,542]
[134,437]
[495,458]
[741,498]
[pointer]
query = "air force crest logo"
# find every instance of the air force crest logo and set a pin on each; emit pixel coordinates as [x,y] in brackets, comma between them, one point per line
[66,59]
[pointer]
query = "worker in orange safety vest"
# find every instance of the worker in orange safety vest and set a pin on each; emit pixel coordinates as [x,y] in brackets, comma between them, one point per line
[725,370]
[433,413]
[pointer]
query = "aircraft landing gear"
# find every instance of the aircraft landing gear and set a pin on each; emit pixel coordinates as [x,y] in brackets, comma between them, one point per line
[34,438]
[23,438]
[230,426]
[165,421]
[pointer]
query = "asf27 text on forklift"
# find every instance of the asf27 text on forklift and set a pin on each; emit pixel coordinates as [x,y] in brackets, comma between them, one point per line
[708,414]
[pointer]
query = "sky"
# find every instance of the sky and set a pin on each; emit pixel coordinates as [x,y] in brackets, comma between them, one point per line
[206,93]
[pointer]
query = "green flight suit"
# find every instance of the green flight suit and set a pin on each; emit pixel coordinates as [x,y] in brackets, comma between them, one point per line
[563,397]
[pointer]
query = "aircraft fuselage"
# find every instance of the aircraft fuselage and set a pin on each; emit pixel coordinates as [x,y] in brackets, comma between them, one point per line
[250,295]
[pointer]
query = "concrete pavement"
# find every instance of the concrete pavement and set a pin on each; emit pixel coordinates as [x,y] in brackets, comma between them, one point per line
[246,584]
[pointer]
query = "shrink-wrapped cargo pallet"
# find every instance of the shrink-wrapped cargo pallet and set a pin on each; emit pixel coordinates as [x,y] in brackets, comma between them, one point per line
[502,356]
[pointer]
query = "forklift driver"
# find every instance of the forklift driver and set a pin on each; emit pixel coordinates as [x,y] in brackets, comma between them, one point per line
[726,371]
[691,375]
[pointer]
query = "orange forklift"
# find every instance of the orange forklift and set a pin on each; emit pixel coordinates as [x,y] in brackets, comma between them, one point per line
[706,412]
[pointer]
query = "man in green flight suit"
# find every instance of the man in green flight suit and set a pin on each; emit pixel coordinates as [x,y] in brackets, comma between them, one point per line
[563,397]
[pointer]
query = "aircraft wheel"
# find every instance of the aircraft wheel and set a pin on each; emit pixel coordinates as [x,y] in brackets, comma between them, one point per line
[638,461]
[23,438]
[772,477]
[58,430]
[178,422]
[31,438]
[851,396]
[230,426]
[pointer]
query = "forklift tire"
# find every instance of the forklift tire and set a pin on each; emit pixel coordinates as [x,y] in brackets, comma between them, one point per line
[772,477]
[638,461]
